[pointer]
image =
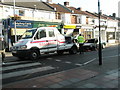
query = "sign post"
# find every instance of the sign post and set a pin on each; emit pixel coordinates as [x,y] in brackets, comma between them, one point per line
[100,48]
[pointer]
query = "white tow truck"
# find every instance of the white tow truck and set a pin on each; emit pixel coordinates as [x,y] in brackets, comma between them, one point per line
[38,41]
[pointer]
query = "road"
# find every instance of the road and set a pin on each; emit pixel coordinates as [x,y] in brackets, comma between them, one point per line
[17,70]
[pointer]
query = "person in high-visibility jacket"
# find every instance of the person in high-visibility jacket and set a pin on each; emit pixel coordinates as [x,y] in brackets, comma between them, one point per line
[81,41]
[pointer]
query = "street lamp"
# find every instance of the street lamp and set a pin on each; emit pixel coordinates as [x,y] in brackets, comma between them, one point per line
[15,23]
[100,48]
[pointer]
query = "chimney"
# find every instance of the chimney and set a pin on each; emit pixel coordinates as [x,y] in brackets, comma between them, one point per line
[49,1]
[79,8]
[66,4]
[114,15]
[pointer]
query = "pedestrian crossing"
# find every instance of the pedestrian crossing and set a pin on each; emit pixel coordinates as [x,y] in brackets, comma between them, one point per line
[14,70]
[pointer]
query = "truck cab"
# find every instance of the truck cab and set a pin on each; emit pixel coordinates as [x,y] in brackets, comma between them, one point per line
[38,41]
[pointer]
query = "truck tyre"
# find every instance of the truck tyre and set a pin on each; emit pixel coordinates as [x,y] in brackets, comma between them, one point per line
[60,52]
[73,50]
[34,54]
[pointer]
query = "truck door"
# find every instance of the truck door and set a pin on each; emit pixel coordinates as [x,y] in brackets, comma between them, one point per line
[41,39]
[52,40]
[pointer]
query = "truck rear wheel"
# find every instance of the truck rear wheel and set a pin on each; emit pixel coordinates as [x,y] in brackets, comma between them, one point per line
[73,50]
[34,54]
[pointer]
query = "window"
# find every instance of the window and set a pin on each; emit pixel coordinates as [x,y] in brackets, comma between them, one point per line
[29,34]
[79,21]
[86,20]
[59,16]
[42,34]
[21,13]
[51,33]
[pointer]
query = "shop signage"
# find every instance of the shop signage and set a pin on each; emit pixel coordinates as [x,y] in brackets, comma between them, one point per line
[22,24]
[69,26]
[46,24]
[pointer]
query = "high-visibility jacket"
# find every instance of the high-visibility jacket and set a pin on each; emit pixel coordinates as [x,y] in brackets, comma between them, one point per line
[80,39]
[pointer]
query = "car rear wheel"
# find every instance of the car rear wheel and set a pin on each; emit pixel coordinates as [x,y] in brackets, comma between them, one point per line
[73,50]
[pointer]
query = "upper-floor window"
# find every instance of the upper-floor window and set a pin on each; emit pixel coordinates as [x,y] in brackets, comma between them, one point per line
[79,20]
[58,16]
[86,20]
[21,12]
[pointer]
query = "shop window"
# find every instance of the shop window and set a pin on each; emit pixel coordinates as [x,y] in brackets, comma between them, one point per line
[110,35]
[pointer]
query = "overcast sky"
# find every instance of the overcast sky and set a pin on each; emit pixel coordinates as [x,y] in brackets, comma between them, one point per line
[107,6]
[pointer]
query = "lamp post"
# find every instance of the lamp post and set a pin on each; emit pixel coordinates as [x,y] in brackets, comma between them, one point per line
[15,23]
[100,48]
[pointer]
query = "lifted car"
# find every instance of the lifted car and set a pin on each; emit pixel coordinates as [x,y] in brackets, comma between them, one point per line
[93,44]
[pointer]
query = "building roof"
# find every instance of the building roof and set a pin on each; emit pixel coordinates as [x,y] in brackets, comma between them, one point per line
[59,8]
[76,11]
[36,4]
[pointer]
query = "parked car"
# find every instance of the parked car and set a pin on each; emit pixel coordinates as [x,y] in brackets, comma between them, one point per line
[93,44]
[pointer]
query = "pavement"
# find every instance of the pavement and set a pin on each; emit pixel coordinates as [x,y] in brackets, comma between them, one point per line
[91,75]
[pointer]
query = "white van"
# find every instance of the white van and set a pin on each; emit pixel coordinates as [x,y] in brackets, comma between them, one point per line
[42,40]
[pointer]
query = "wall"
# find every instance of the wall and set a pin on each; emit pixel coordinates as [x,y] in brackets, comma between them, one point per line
[83,19]
[8,11]
[66,18]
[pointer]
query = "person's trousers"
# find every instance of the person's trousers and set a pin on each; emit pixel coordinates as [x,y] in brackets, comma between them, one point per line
[81,48]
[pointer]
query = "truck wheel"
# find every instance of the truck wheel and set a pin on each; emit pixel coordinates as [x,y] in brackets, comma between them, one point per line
[60,52]
[34,54]
[73,50]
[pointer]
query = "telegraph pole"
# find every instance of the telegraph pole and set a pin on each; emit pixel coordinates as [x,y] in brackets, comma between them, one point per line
[100,48]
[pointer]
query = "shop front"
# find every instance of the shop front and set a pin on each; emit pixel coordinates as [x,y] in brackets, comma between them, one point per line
[111,34]
[103,33]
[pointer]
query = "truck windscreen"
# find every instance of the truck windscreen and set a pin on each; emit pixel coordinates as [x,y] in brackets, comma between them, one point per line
[29,34]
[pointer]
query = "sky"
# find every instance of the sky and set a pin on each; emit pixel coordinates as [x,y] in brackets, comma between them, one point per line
[107,6]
